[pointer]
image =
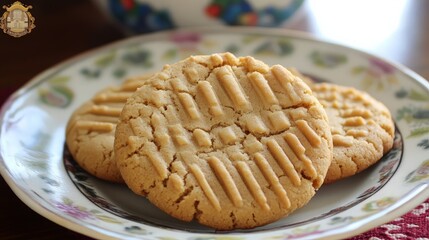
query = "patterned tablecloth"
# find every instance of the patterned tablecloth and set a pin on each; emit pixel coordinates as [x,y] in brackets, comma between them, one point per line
[413,225]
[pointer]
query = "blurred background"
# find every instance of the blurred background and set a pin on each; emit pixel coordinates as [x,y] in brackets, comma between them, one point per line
[393,29]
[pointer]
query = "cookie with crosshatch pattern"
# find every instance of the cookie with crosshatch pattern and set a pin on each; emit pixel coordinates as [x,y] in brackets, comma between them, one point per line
[90,131]
[362,128]
[230,142]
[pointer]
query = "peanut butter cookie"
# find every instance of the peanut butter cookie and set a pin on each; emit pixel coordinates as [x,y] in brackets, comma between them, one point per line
[90,131]
[230,142]
[362,129]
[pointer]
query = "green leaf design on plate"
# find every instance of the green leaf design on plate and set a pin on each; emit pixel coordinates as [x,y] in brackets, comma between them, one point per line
[251,38]
[67,201]
[169,54]
[140,231]
[138,57]
[421,114]
[31,163]
[418,132]
[421,173]
[232,48]
[57,95]
[90,73]
[424,144]
[105,60]
[281,47]
[378,205]
[412,95]
[108,219]
[305,230]
[286,47]
[338,220]
[412,113]
[48,180]
[119,72]
[405,113]
[417,118]
[358,70]
[327,59]
[418,96]
[59,80]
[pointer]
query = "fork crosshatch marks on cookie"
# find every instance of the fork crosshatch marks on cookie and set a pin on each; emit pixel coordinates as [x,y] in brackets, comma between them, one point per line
[101,194]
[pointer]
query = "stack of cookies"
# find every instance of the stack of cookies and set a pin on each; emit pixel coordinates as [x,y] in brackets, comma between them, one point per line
[228,141]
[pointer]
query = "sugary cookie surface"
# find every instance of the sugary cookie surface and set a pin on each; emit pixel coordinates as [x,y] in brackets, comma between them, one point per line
[90,131]
[228,141]
[362,129]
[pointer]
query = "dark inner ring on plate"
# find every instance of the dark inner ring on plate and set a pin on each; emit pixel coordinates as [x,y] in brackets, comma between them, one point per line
[89,187]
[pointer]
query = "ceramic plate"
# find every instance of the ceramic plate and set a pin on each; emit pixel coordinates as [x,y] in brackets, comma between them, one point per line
[41,172]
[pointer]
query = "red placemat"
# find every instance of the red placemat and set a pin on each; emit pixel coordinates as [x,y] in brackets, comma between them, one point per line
[413,225]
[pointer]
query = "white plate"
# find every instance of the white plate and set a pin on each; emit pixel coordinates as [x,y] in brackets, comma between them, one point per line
[38,168]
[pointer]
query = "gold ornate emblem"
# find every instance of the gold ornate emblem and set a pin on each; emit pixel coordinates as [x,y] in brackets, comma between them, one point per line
[17,20]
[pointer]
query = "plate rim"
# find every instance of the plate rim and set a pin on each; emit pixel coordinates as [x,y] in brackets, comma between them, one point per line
[419,193]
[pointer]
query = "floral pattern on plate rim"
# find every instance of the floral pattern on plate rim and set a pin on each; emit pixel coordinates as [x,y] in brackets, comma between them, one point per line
[56,92]
[386,168]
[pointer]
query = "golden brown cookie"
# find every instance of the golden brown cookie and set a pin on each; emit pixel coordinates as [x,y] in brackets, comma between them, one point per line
[303,77]
[90,131]
[362,129]
[230,142]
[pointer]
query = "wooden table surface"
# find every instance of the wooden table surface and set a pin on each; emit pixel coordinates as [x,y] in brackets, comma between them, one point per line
[396,30]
